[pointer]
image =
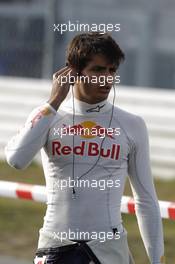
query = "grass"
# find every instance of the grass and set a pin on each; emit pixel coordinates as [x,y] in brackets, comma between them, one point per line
[20,220]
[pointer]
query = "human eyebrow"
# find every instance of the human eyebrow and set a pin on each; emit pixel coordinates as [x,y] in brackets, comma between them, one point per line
[98,68]
[113,69]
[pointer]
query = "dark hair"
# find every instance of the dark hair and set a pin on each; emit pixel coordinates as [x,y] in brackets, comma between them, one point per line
[82,47]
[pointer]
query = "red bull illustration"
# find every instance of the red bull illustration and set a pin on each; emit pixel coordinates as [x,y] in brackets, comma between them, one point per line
[87,130]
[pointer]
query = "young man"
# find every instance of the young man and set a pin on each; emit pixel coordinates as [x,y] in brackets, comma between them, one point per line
[88,148]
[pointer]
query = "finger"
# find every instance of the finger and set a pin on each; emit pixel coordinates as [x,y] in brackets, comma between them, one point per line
[72,76]
[68,76]
[68,73]
[63,78]
[55,75]
[65,71]
[60,76]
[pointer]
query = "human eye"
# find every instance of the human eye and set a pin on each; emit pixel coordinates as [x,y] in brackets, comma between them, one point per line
[98,69]
[113,69]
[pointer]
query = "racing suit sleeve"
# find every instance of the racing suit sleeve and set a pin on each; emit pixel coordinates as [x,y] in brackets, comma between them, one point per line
[22,148]
[147,207]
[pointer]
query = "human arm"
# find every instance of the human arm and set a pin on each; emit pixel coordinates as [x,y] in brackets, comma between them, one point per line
[147,207]
[21,149]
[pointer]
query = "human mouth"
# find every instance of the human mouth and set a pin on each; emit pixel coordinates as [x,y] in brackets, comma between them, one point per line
[104,90]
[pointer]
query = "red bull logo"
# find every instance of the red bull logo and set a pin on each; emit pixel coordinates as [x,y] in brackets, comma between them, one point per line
[86,149]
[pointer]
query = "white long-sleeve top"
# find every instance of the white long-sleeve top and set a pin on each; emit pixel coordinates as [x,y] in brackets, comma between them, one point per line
[101,161]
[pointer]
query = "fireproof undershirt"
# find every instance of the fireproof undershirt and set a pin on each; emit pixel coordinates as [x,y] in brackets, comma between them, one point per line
[92,208]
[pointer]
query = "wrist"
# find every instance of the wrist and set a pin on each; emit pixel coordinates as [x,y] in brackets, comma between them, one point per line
[54,103]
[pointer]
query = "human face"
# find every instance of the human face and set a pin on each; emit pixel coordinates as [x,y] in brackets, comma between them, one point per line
[92,91]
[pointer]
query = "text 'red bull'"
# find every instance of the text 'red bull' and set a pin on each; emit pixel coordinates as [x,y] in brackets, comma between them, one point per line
[86,149]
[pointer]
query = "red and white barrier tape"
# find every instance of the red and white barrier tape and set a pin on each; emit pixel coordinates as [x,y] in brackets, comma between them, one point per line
[38,193]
